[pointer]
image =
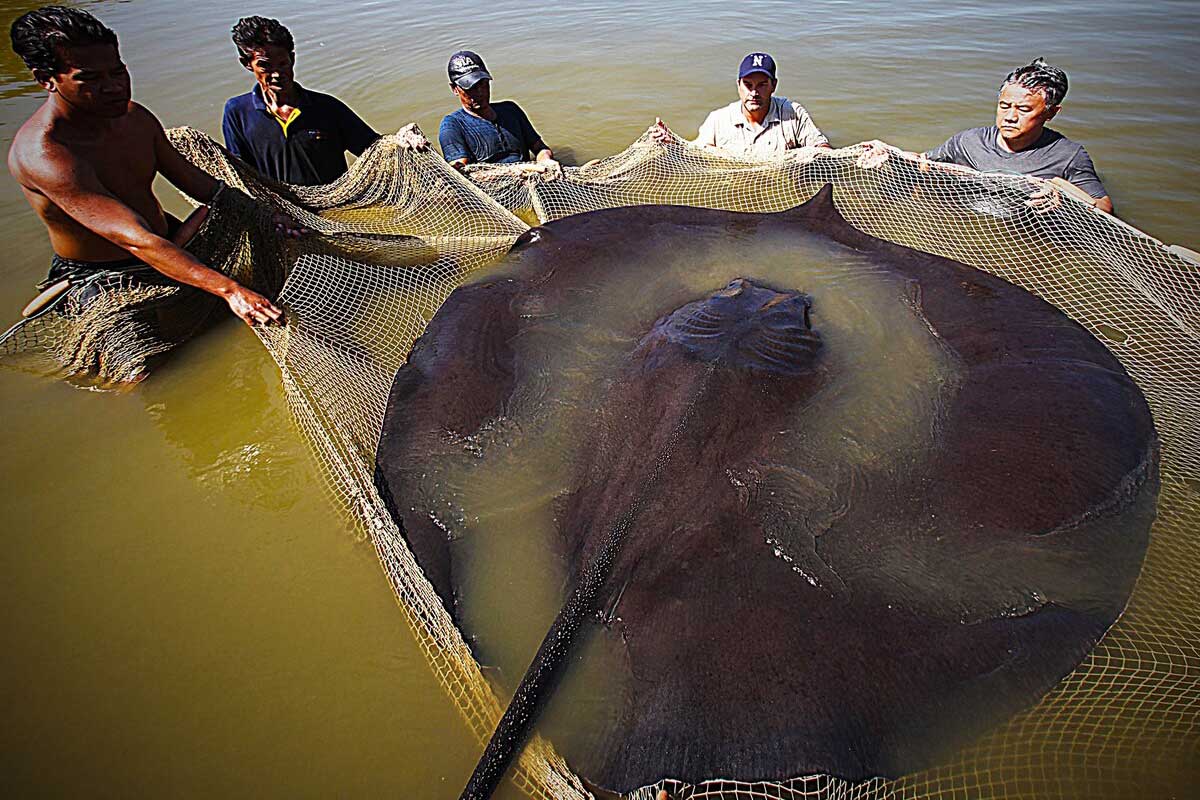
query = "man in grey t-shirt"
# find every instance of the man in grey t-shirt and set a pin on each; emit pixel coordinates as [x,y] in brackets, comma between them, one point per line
[1052,155]
[1020,142]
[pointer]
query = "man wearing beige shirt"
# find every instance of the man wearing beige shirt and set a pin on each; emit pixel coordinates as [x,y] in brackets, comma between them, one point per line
[758,124]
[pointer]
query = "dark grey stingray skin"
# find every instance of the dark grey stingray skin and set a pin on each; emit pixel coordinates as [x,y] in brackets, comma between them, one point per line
[735,663]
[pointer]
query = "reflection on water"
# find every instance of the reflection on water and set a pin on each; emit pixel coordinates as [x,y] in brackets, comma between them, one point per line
[178,587]
[248,455]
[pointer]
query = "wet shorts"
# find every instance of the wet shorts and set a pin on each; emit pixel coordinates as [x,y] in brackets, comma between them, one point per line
[88,278]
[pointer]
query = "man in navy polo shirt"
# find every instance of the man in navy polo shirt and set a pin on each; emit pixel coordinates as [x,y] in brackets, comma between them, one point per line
[284,131]
[481,131]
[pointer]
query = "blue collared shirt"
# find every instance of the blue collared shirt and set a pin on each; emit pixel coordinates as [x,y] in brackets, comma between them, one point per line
[309,149]
[509,138]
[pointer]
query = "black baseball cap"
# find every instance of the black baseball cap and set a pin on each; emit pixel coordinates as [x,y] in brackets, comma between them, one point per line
[757,62]
[467,69]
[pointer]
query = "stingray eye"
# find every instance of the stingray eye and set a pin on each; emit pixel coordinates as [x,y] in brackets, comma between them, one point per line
[735,288]
[808,316]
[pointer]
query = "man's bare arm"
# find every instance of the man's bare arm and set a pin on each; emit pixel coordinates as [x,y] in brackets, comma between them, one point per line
[183,174]
[72,185]
[198,184]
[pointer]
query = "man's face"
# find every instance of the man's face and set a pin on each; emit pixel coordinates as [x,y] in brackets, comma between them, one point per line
[1021,114]
[93,80]
[272,68]
[755,91]
[477,98]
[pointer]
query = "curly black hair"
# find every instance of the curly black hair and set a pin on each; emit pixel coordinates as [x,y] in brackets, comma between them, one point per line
[1041,77]
[40,36]
[255,33]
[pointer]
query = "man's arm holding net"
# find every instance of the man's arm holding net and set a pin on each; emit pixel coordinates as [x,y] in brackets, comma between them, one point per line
[1081,173]
[73,186]
[202,187]
[660,134]
[876,153]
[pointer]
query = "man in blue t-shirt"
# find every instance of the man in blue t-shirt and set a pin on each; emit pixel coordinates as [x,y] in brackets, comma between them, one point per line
[1020,142]
[480,131]
[284,131]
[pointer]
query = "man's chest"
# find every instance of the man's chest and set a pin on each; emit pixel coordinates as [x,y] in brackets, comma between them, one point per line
[774,135]
[491,138]
[1040,162]
[124,163]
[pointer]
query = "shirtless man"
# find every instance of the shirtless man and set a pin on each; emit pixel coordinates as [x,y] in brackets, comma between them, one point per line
[86,160]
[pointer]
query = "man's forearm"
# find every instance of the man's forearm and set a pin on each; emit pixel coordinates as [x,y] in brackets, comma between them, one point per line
[206,188]
[197,184]
[178,264]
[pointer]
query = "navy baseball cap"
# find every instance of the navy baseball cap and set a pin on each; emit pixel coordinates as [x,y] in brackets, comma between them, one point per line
[467,69]
[757,62]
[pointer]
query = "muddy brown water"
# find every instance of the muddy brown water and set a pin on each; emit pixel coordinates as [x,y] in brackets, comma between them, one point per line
[182,612]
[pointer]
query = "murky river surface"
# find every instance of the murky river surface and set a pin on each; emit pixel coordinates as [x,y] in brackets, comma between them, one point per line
[182,614]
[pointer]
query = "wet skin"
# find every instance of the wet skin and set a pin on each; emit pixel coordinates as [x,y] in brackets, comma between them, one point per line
[86,161]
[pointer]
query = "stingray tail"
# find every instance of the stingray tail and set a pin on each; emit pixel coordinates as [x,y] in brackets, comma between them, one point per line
[547,665]
[525,706]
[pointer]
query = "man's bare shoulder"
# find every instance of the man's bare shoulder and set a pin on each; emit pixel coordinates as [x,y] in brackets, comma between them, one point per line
[150,132]
[47,149]
[139,127]
[143,117]
[36,150]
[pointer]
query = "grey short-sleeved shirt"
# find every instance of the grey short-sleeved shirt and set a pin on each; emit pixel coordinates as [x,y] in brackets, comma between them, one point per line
[1052,156]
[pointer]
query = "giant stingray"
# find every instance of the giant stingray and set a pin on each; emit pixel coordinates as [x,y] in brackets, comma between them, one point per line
[798,545]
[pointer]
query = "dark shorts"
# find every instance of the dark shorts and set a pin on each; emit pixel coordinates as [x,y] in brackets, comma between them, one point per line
[88,278]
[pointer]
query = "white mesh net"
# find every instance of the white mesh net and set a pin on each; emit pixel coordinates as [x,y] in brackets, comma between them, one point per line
[401,230]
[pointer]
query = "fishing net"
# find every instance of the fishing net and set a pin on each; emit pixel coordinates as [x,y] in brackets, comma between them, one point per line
[397,233]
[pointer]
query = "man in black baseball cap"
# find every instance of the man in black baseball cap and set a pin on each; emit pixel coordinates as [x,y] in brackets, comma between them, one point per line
[466,69]
[480,131]
[758,124]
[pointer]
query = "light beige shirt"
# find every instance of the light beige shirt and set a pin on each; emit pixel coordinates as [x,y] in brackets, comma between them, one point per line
[786,126]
